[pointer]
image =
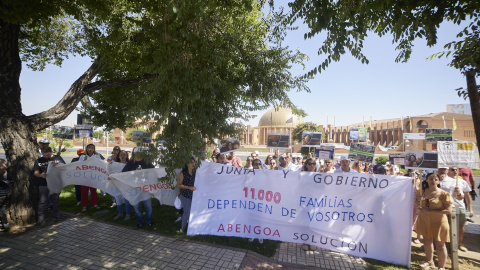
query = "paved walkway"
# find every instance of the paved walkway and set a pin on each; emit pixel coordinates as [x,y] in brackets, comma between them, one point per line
[84,243]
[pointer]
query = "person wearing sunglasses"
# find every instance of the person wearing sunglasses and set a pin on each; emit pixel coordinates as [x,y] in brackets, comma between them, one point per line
[284,165]
[116,150]
[257,165]
[309,166]
[248,164]
[458,188]
[432,223]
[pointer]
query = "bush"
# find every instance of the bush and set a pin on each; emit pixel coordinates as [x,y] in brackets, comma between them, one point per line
[381,160]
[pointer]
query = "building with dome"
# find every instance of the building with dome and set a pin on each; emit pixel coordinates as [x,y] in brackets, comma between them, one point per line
[385,133]
[281,121]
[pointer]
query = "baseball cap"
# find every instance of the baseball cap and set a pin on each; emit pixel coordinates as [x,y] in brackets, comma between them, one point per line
[44,140]
[344,158]
[283,155]
[80,151]
[388,163]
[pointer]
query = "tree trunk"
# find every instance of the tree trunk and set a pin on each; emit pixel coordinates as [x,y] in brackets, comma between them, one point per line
[17,133]
[20,144]
[473,96]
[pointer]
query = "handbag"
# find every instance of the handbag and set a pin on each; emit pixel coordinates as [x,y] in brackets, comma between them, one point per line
[178,203]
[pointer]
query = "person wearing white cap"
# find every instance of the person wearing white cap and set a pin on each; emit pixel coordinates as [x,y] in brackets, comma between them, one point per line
[42,143]
[459,190]
[345,166]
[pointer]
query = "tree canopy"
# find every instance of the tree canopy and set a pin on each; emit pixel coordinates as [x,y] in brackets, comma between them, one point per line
[190,66]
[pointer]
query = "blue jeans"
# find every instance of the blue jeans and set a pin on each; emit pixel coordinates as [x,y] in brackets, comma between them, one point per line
[186,205]
[148,209]
[127,207]
[42,203]
[78,194]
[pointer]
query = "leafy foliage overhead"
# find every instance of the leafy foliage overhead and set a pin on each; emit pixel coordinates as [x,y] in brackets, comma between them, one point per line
[347,23]
[189,66]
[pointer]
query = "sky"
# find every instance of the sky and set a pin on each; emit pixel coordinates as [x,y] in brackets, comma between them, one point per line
[348,90]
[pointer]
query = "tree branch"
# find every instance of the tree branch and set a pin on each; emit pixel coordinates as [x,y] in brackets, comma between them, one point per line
[69,101]
[78,91]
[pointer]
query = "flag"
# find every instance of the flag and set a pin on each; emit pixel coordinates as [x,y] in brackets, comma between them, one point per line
[401,121]
[290,120]
[444,124]
[454,123]
[411,125]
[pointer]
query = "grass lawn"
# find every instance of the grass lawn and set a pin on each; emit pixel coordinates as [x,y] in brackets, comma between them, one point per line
[163,216]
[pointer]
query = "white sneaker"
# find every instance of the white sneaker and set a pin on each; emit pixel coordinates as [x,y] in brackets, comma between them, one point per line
[113,205]
[78,203]
[178,219]
[260,241]
[250,240]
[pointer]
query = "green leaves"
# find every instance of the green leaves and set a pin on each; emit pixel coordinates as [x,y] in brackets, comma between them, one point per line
[347,23]
[212,63]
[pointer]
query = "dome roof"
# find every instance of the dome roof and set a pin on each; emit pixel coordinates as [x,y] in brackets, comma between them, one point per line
[279,118]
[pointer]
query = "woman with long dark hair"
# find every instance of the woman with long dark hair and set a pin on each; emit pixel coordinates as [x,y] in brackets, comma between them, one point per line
[186,182]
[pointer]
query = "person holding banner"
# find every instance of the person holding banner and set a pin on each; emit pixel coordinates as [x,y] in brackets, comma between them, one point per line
[345,166]
[273,165]
[432,223]
[248,164]
[121,158]
[236,161]
[40,172]
[222,160]
[186,182]
[459,190]
[137,163]
[91,153]
[267,162]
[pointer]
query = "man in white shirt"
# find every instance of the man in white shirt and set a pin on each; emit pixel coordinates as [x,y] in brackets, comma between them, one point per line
[345,166]
[283,164]
[457,188]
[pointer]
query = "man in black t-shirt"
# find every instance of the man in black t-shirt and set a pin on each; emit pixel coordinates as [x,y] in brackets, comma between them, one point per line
[40,173]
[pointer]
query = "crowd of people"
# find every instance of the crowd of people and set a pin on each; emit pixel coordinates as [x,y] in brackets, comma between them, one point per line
[434,196]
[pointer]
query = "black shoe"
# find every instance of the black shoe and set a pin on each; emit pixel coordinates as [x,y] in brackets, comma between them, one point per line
[470,220]
[59,218]
[40,222]
[152,225]
[138,226]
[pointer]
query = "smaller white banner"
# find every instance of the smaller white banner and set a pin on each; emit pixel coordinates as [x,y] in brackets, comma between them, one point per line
[414,136]
[456,154]
[135,186]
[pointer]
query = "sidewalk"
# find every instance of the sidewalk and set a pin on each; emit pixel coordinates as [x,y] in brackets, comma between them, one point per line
[83,243]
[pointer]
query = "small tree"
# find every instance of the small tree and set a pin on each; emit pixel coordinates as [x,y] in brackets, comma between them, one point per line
[381,160]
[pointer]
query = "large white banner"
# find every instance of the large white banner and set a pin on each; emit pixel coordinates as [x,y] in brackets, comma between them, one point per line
[456,154]
[353,214]
[135,186]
